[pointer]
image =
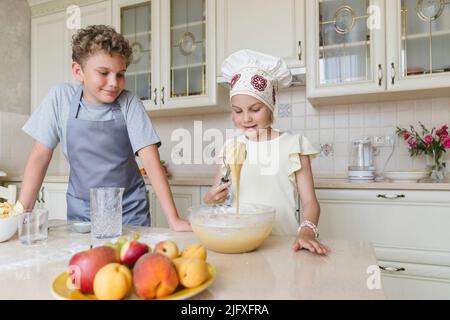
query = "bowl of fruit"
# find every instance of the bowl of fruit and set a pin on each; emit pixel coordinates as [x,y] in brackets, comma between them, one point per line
[131,269]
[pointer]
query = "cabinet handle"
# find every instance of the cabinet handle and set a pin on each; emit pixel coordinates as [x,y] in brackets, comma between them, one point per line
[380,75]
[393,73]
[155,93]
[391,269]
[391,196]
[162,95]
[300,51]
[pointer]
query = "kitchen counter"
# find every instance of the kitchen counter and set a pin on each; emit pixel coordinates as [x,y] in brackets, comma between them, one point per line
[271,272]
[206,179]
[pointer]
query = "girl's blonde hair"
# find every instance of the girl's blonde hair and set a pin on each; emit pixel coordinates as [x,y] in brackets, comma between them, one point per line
[92,39]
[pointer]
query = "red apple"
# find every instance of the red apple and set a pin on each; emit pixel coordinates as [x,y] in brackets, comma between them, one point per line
[131,251]
[84,265]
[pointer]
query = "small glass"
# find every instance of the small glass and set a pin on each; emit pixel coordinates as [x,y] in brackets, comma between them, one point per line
[33,226]
[106,212]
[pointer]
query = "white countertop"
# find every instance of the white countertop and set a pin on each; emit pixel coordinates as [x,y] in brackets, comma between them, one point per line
[274,271]
[206,179]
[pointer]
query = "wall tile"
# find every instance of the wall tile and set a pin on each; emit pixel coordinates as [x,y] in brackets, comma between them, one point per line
[312,122]
[326,122]
[298,123]
[298,109]
[356,120]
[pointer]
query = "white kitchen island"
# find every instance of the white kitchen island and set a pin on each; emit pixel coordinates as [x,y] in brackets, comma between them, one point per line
[273,271]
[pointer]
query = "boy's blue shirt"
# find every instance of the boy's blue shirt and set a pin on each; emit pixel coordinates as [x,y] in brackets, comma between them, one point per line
[48,122]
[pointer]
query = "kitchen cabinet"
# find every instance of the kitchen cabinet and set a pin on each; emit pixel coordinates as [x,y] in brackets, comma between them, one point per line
[418,44]
[408,229]
[184,197]
[345,53]
[374,50]
[173,69]
[275,27]
[51,52]
[52,196]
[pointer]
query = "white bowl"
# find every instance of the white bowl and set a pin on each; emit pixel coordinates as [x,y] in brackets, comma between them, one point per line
[8,227]
[220,229]
[412,176]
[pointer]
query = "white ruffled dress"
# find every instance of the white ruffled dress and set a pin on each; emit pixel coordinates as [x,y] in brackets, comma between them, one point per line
[268,176]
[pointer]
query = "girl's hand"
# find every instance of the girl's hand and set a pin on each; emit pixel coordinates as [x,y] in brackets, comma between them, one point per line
[306,240]
[180,225]
[217,194]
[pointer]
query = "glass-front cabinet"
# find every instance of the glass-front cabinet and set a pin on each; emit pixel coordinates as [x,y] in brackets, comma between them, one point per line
[419,44]
[173,45]
[346,47]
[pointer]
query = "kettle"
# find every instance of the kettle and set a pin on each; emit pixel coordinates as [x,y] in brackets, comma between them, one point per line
[361,161]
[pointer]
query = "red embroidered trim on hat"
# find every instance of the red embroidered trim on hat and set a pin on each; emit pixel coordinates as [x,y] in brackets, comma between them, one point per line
[235,79]
[274,95]
[259,83]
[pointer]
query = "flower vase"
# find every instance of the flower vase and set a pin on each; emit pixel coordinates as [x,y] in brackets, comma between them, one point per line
[436,168]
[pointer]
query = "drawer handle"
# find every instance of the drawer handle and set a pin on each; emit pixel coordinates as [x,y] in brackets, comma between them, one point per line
[392,269]
[391,196]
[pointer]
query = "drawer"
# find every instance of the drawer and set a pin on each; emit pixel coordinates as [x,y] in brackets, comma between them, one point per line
[416,220]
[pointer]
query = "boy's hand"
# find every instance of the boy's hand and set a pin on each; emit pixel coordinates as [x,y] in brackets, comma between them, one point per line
[217,194]
[180,225]
[306,240]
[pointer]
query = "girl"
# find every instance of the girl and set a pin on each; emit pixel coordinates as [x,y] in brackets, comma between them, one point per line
[277,163]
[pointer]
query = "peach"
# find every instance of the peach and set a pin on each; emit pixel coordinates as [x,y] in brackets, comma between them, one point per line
[192,272]
[195,250]
[154,276]
[113,282]
[167,248]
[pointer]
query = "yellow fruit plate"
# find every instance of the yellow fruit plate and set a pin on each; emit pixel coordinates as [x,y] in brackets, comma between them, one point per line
[61,289]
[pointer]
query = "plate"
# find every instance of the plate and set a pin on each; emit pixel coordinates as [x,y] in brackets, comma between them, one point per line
[412,176]
[61,291]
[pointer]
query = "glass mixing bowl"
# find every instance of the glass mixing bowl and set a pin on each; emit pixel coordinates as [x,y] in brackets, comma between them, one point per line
[220,229]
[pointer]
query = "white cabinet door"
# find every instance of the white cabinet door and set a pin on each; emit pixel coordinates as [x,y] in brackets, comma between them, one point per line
[51,52]
[408,229]
[50,55]
[139,22]
[188,54]
[54,196]
[345,47]
[184,197]
[275,27]
[98,13]
[418,43]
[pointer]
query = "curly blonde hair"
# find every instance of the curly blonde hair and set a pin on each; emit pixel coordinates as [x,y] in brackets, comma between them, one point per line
[92,39]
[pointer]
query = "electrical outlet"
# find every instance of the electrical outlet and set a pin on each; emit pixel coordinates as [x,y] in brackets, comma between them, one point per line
[383,141]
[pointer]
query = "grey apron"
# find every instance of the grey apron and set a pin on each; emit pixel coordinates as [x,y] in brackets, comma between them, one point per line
[100,155]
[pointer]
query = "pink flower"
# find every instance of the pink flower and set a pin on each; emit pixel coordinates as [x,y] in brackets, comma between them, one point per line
[412,143]
[444,137]
[406,135]
[443,131]
[429,139]
[447,143]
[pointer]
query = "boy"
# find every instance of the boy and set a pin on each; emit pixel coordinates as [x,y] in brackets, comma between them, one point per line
[101,127]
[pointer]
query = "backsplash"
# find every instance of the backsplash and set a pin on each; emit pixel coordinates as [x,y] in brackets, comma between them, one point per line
[330,128]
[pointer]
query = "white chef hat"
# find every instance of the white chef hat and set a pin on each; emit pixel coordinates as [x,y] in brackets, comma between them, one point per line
[256,74]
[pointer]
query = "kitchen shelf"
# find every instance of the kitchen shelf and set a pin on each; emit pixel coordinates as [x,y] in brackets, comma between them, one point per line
[133,35]
[186,25]
[426,35]
[194,65]
[346,45]
[136,73]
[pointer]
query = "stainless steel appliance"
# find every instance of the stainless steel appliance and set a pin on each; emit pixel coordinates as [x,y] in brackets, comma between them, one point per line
[361,161]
